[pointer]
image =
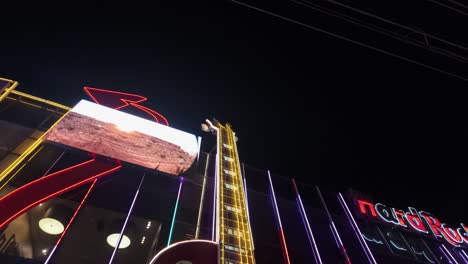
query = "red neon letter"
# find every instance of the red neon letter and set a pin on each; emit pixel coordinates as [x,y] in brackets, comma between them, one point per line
[433,223]
[362,207]
[451,236]
[415,221]
[463,231]
[399,214]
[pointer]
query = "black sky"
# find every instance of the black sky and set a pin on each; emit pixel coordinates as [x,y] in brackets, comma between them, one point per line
[304,104]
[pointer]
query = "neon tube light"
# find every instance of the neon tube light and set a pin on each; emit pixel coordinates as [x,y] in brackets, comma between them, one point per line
[38,99]
[21,168]
[372,240]
[358,233]
[449,254]
[121,100]
[71,221]
[28,151]
[465,256]
[40,183]
[332,226]
[247,205]
[305,220]
[9,89]
[202,198]
[126,219]
[278,218]
[175,213]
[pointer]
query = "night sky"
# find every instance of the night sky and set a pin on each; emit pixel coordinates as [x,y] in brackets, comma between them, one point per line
[304,104]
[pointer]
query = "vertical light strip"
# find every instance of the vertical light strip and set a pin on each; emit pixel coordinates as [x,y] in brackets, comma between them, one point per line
[462,257]
[333,229]
[247,205]
[278,218]
[216,203]
[175,212]
[305,220]
[202,198]
[71,221]
[199,146]
[358,233]
[464,254]
[126,219]
[53,164]
[448,252]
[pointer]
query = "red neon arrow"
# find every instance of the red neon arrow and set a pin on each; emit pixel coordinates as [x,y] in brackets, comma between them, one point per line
[119,100]
[29,195]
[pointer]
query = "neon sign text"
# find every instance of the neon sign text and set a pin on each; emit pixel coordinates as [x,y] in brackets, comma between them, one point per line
[417,221]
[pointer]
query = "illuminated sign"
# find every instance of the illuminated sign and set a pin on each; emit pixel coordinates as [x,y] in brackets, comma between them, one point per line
[112,133]
[414,220]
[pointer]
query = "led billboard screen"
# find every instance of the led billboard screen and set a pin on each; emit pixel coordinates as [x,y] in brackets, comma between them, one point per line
[112,133]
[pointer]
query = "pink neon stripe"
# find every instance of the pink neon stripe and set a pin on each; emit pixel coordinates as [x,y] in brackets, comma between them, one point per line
[71,220]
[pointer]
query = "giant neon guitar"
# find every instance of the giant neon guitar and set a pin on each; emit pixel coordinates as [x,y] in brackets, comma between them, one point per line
[233,237]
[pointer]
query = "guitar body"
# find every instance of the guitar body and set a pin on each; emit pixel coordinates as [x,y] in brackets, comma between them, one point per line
[188,252]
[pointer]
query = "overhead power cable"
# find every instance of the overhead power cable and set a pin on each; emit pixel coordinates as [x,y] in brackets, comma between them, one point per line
[351,40]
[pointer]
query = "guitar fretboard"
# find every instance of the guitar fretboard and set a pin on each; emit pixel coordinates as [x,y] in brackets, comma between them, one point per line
[234,230]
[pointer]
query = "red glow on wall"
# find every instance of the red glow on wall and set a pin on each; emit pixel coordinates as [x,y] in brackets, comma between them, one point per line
[119,100]
[29,195]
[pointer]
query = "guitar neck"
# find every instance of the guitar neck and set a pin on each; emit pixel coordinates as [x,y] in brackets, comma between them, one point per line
[234,233]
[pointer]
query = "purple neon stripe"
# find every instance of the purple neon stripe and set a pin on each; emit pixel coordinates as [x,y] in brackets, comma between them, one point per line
[310,235]
[126,220]
[274,201]
[278,218]
[464,256]
[356,230]
[448,252]
[305,220]
[248,214]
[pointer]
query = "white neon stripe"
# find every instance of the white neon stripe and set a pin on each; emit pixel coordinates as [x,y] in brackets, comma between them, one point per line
[178,243]
[126,220]
[448,252]
[357,230]
[274,200]
[199,147]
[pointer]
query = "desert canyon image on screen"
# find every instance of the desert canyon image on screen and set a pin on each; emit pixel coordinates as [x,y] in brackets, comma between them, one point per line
[105,131]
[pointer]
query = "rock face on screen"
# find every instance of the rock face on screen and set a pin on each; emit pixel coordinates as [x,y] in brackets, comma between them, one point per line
[87,133]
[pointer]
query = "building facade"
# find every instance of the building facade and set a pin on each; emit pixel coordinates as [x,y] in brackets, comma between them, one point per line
[62,202]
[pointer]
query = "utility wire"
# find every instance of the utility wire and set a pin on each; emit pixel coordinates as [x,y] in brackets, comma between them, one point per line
[406,39]
[350,40]
[450,7]
[395,23]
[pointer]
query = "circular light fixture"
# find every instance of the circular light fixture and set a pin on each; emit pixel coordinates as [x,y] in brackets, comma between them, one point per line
[51,226]
[113,239]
